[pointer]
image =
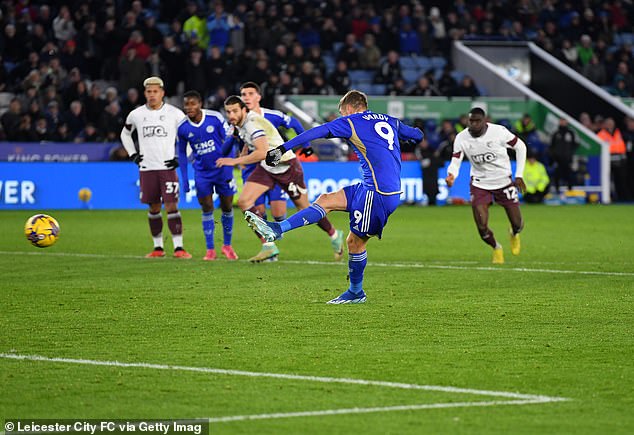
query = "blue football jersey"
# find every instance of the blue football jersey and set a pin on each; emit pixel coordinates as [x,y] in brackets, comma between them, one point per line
[375,140]
[205,139]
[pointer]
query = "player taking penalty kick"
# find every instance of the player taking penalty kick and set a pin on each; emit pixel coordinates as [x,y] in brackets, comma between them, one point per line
[375,139]
[485,145]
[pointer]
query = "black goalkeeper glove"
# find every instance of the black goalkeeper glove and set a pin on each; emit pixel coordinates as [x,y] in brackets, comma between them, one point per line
[172,164]
[274,156]
[307,152]
[137,158]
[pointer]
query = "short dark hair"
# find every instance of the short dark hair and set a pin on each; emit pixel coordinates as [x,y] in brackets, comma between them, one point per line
[234,99]
[477,111]
[193,94]
[253,85]
[356,99]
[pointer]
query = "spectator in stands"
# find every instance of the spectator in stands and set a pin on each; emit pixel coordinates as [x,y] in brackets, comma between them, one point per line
[63,26]
[423,88]
[397,87]
[308,36]
[320,87]
[25,131]
[11,119]
[524,126]
[173,58]
[329,34]
[595,71]
[446,82]
[74,118]
[132,70]
[586,121]
[466,88]
[315,56]
[610,134]
[340,79]
[196,72]
[369,54]
[390,69]
[218,26]
[89,134]
[111,122]
[131,101]
[69,57]
[623,73]
[41,130]
[151,34]
[112,41]
[568,54]
[136,41]
[536,179]
[350,52]
[585,50]
[563,145]
[288,86]
[90,49]
[409,41]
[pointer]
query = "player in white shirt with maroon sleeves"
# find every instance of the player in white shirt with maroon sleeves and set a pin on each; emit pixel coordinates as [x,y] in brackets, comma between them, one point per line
[485,145]
[156,124]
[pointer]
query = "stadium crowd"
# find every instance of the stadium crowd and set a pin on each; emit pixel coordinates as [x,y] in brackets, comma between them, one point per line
[72,70]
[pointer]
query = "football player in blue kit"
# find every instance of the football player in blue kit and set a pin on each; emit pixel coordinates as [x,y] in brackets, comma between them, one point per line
[375,139]
[206,131]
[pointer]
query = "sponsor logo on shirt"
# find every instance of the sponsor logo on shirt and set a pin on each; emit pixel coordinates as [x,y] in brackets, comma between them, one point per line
[484,158]
[154,131]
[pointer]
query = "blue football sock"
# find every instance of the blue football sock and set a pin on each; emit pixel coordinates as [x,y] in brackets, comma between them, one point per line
[227,226]
[279,218]
[356,266]
[208,229]
[307,216]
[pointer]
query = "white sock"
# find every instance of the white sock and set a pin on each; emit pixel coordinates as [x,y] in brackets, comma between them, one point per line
[158,241]
[178,241]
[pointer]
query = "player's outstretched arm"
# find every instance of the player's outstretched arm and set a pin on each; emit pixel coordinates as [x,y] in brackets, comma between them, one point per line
[274,156]
[412,134]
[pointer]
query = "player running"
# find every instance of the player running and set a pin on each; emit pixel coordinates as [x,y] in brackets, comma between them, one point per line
[259,135]
[375,139]
[205,131]
[156,123]
[485,145]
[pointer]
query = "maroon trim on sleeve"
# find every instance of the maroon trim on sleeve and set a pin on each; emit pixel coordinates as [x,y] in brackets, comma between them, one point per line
[457,155]
[513,141]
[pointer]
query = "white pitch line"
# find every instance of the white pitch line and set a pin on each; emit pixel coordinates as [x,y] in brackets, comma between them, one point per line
[323,379]
[520,399]
[376,409]
[339,264]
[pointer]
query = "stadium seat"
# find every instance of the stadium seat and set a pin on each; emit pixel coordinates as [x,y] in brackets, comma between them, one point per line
[330,63]
[423,63]
[407,62]
[457,75]
[366,88]
[438,62]
[361,76]
[379,89]
[411,75]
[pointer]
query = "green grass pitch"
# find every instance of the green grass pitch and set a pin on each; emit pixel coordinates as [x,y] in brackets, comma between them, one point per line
[557,321]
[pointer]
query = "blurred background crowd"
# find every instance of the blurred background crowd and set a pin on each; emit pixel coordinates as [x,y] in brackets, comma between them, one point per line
[71,71]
